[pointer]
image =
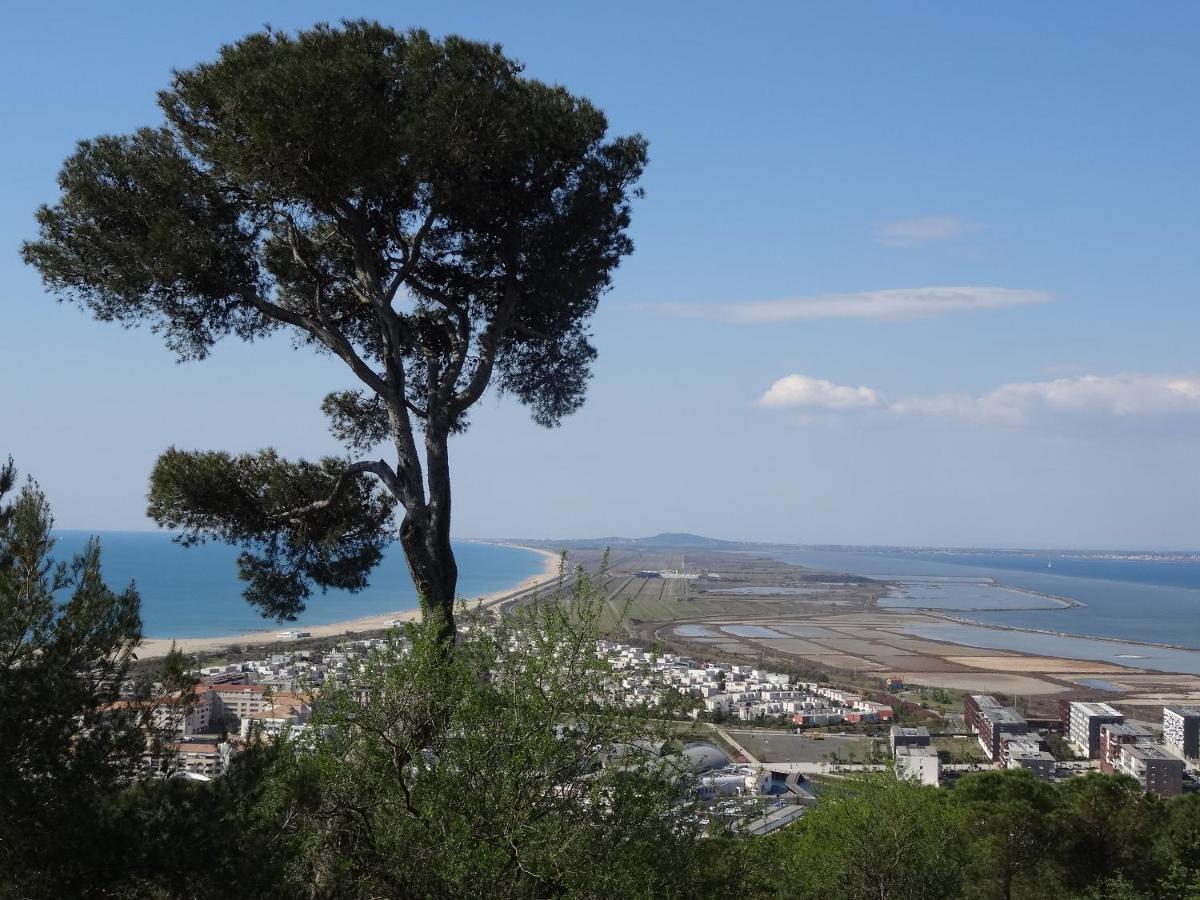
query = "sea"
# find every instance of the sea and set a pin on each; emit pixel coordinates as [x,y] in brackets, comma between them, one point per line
[1135,601]
[195,591]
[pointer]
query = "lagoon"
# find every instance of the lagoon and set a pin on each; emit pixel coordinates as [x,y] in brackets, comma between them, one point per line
[963,596]
[1138,656]
[1157,601]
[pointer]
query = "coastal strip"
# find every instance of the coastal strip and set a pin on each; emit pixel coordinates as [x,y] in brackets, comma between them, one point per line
[899,583]
[154,647]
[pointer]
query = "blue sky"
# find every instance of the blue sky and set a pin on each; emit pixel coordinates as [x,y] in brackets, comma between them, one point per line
[782,358]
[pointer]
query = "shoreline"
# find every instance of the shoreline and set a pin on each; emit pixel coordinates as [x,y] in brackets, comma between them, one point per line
[151,648]
[959,617]
[1063,602]
[943,614]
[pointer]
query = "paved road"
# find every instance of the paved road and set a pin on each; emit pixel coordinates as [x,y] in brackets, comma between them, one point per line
[724,735]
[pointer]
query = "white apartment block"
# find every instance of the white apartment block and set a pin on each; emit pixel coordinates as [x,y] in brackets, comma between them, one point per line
[919,764]
[1083,726]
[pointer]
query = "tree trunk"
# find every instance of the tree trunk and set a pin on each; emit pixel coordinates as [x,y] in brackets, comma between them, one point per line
[434,573]
[425,537]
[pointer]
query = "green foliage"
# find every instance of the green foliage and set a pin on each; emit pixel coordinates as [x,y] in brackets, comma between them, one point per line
[66,643]
[1009,821]
[265,503]
[77,816]
[433,776]
[1060,747]
[874,837]
[1106,825]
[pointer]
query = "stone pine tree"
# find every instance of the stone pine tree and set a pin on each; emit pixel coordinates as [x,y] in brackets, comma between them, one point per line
[415,207]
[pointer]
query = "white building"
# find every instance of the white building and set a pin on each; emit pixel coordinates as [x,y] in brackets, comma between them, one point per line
[1083,725]
[919,764]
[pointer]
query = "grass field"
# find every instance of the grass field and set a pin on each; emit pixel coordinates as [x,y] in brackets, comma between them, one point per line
[782,747]
[961,749]
[671,599]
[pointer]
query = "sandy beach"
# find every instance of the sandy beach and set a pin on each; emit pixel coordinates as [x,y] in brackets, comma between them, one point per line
[152,647]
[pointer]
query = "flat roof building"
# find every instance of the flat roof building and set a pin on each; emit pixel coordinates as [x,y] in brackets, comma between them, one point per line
[1027,752]
[1181,730]
[1113,737]
[1157,771]
[989,720]
[1083,725]
[919,764]
[902,736]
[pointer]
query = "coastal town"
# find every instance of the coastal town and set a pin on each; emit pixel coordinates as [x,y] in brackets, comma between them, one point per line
[761,744]
[758,742]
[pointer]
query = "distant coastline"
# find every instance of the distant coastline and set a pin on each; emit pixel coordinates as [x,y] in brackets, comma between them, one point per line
[154,647]
[194,592]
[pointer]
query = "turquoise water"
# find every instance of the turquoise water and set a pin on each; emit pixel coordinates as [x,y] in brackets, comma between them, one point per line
[1132,600]
[195,592]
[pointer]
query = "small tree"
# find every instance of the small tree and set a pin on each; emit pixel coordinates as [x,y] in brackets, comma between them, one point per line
[871,837]
[529,788]
[1010,822]
[66,643]
[416,208]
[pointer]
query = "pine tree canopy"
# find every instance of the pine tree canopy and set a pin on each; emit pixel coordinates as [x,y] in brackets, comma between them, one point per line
[417,208]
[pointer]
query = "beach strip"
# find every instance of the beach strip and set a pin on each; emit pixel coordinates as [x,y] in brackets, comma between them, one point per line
[154,647]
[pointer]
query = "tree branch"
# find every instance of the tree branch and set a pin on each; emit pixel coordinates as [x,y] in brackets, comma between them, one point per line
[376,467]
[488,346]
[334,340]
[460,339]
[410,257]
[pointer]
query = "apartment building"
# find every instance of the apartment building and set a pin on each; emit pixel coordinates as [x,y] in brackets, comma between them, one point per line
[990,721]
[242,700]
[1157,771]
[1084,722]
[901,736]
[1027,752]
[1113,737]
[202,758]
[1181,730]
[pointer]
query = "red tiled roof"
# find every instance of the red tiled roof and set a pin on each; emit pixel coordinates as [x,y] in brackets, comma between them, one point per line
[197,747]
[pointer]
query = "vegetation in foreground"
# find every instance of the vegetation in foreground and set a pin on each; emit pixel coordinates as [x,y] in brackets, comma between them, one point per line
[488,772]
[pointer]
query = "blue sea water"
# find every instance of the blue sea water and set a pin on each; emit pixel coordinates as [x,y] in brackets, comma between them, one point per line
[195,591]
[1156,601]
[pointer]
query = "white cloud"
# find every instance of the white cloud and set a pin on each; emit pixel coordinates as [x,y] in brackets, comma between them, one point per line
[804,392]
[1122,395]
[898,304]
[1019,403]
[922,230]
